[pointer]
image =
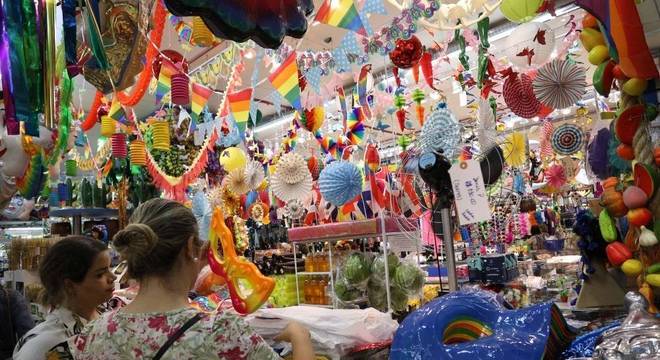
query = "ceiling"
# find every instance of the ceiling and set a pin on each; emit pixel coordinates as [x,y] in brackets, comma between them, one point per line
[324,37]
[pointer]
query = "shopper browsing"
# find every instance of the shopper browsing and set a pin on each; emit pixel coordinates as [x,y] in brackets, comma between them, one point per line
[163,251]
[15,320]
[76,276]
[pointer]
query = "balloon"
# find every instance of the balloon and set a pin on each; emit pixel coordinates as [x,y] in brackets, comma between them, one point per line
[232,158]
[265,22]
[407,53]
[173,56]
[123,44]
[233,268]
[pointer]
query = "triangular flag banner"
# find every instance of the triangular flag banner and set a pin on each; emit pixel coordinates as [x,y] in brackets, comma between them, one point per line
[117,112]
[239,104]
[167,69]
[285,80]
[341,60]
[350,45]
[313,77]
[276,99]
[200,96]
[341,13]
[365,22]
[374,7]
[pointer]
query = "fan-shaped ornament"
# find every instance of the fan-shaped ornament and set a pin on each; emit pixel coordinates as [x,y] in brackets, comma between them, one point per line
[237,182]
[519,96]
[555,176]
[515,149]
[294,209]
[291,168]
[567,139]
[340,182]
[530,45]
[254,174]
[440,132]
[560,84]
[258,211]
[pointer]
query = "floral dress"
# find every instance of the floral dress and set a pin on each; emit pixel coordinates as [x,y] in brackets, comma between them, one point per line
[45,340]
[120,335]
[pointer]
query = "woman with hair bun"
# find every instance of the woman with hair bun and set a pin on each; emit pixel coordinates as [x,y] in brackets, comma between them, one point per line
[76,277]
[163,252]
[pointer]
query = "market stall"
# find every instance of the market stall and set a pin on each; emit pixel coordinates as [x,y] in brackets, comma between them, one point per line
[370,168]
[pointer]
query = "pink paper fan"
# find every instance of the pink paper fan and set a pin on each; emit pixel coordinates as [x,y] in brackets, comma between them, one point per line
[555,176]
[519,96]
[560,84]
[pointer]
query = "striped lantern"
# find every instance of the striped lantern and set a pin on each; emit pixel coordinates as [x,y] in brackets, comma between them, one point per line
[71,167]
[180,89]
[160,133]
[108,126]
[201,35]
[138,153]
[119,150]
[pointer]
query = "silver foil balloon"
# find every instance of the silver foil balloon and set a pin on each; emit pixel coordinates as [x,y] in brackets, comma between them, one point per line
[637,338]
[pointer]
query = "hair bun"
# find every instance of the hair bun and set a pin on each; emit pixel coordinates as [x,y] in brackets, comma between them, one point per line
[135,241]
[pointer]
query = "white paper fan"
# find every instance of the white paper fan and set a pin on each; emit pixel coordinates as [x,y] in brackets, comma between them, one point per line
[254,174]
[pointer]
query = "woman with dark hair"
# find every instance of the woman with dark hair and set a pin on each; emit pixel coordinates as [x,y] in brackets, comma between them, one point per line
[76,276]
[162,249]
[15,320]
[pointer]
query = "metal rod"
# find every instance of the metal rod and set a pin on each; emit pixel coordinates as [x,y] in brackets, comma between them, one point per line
[448,244]
[383,237]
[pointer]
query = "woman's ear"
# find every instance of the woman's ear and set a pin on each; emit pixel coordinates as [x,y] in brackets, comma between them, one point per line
[191,248]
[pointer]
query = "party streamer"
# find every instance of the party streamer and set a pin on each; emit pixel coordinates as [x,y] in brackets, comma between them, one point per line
[285,80]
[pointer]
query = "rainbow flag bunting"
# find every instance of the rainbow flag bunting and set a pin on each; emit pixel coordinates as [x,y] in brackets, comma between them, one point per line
[341,13]
[285,80]
[239,104]
[167,69]
[117,112]
[200,96]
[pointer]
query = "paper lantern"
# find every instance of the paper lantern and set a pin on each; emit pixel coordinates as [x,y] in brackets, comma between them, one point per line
[567,139]
[559,84]
[180,89]
[530,45]
[232,158]
[160,133]
[440,132]
[108,126]
[201,35]
[520,11]
[138,153]
[314,166]
[71,167]
[118,142]
[340,182]
[519,96]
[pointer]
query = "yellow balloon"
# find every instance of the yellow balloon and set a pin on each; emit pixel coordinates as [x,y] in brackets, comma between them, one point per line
[232,158]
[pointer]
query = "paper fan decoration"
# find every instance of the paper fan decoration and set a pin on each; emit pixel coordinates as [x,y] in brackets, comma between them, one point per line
[254,174]
[312,119]
[487,132]
[294,209]
[340,182]
[555,176]
[291,168]
[560,84]
[237,182]
[567,139]
[258,211]
[515,149]
[519,96]
[355,132]
[546,139]
[440,132]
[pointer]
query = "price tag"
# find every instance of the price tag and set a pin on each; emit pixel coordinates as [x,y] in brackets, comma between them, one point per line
[469,192]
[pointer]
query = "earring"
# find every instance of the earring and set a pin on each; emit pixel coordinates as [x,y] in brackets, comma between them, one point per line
[195,259]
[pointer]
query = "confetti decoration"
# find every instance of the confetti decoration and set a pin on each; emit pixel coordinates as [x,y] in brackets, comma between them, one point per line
[286,82]
[341,13]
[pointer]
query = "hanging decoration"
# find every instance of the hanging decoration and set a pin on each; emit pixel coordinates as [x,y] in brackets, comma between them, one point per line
[119,150]
[167,70]
[138,153]
[440,132]
[232,158]
[254,174]
[418,97]
[555,176]
[201,35]
[292,179]
[340,182]
[285,81]
[312,119]
[200,96]
[341,13]
[519,96]
[560,84]
[520,11]
[530,45]
[180,89]
[160,135]
[567,139]
[108,126]
[236,181]
[239,103]
[515,149]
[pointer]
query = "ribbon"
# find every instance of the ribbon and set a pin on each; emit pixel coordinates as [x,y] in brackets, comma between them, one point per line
[11,123]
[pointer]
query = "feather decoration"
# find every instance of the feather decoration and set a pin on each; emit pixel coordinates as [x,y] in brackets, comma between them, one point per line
[597,154]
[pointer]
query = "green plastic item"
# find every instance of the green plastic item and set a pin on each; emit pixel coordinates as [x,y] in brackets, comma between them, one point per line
[607,226]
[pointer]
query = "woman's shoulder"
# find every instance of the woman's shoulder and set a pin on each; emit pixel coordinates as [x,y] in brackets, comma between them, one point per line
[39,340]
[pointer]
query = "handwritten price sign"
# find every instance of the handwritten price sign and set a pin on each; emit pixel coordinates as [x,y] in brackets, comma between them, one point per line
[469,192]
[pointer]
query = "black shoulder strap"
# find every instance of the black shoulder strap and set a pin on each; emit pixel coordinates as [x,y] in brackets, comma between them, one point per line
[174,337]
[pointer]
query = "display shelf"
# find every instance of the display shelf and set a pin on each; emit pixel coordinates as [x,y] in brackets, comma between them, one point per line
[351,230]
[17,224]
[312,273]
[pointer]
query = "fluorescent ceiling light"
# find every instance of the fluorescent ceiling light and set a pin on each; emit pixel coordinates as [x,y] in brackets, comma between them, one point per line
[273,124]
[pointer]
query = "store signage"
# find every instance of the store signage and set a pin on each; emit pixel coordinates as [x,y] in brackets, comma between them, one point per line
[469,192]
